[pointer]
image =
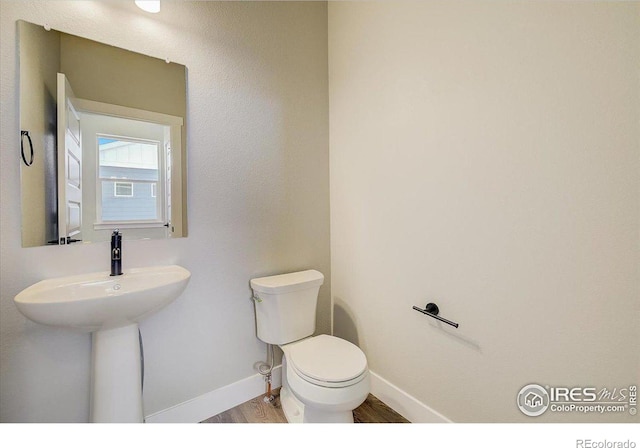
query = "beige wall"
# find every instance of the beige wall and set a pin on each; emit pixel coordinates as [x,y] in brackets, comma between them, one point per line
[485,156]
[39,63]
[112,75]
[258,197]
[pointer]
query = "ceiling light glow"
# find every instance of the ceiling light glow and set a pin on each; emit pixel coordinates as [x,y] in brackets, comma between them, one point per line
[152,6]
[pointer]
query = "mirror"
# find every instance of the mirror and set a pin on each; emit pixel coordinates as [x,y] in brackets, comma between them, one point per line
[103,141]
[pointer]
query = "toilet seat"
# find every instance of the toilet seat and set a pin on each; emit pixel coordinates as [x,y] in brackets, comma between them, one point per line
[327,361]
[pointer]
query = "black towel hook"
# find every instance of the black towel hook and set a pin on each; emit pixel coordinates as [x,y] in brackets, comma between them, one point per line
[24,158]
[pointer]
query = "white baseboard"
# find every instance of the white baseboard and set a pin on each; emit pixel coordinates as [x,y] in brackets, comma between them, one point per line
[216,401]
[227,397]
[404,404]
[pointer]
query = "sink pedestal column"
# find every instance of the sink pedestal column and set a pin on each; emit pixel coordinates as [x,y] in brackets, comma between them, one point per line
[116,376]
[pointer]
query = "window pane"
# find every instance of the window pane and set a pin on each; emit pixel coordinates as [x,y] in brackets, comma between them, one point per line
[123,189]
[135,203]
[120,159]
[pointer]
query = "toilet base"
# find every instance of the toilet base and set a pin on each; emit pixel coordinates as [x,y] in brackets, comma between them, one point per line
[296,412]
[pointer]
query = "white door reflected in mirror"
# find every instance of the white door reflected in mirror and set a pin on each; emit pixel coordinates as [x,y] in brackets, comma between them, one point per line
[70,177]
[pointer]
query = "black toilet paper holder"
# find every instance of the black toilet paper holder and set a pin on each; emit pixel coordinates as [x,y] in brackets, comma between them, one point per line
[432,310]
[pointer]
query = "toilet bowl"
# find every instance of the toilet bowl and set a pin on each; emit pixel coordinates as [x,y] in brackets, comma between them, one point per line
[324,378]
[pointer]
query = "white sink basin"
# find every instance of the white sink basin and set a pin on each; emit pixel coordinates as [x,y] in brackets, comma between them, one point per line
[110,308]
[97,301]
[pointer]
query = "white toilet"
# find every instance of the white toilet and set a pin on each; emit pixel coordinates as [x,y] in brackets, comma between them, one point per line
[324,378]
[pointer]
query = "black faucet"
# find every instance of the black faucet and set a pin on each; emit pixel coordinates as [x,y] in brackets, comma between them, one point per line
[116,253]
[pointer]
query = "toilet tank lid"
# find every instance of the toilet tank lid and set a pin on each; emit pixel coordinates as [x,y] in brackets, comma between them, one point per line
[294,281]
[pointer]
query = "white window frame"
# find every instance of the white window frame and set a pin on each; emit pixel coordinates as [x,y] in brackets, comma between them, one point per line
[100,224]
[175,187]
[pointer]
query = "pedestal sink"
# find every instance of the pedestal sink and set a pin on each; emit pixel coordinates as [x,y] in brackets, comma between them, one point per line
[110,308]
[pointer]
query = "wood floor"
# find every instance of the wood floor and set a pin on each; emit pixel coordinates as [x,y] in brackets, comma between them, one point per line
[257,411]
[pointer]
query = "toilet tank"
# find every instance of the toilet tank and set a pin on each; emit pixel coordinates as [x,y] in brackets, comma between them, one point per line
[286,306]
